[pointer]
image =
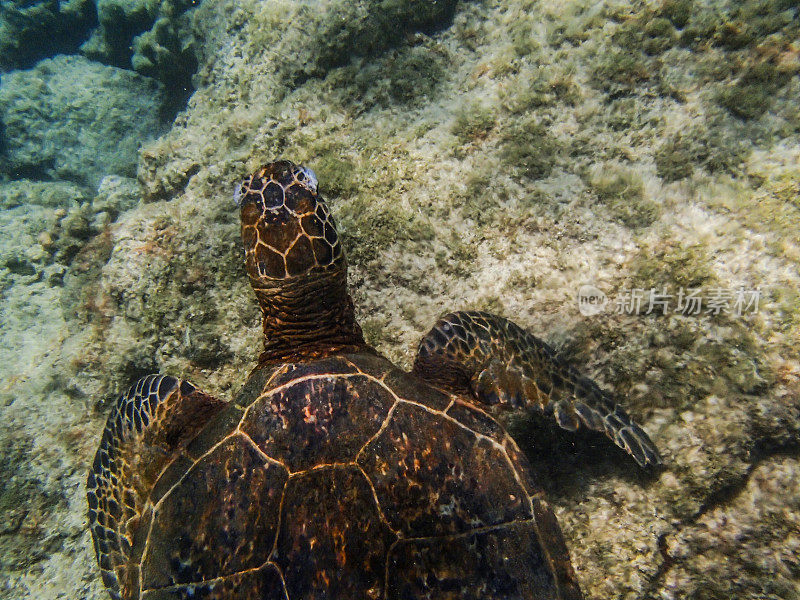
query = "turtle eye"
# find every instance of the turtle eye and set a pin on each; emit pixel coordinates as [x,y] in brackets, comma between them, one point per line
[307,178]
[239,193]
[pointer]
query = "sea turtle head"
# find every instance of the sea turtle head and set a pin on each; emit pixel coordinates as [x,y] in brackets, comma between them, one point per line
[295,263]
[287,229]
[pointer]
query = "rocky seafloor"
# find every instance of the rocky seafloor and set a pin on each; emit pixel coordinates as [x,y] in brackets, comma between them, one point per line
[482,155]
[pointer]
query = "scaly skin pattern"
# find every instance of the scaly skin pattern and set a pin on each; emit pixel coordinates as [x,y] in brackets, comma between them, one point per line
[501,364]
[343,478]
[296,265]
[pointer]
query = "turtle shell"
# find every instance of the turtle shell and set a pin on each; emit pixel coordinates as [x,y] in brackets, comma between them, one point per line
[347,478]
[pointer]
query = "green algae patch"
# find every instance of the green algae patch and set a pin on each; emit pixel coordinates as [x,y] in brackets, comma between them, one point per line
[745,46]
[648,33]
[478,201]
[750,22]
[546,88]
[771,207]
[620,71]
[407,76]
[675,158]
[378,331]
[529,149]
[337,174]
[473,123]
[522,41]
[714,146]
[622,190]
[673,264]
[750,96]
[369,228]
[414,74]
[785,187]
[677,11]
[676,361]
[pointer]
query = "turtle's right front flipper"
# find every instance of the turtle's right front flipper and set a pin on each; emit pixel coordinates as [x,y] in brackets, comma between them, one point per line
[146,430]
[498,362]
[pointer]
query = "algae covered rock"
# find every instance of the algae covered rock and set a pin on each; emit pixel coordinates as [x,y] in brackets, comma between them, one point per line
[342,30]
[31,30]
[46,224]
[115,195]
[306,40]
[151,37]
[120,21]
[166,53]
[75,120]
[25,506]
[52,194]
[746,546]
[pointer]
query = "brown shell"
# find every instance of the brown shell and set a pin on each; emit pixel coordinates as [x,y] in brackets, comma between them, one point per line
[345,478]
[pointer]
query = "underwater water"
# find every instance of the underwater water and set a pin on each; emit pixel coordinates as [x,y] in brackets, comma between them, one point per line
[620,178]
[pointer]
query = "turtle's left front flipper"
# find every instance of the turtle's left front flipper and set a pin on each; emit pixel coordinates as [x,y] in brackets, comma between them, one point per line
[147,429]
[498,362]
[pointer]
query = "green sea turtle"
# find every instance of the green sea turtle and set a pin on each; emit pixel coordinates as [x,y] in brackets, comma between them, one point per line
[333,474]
